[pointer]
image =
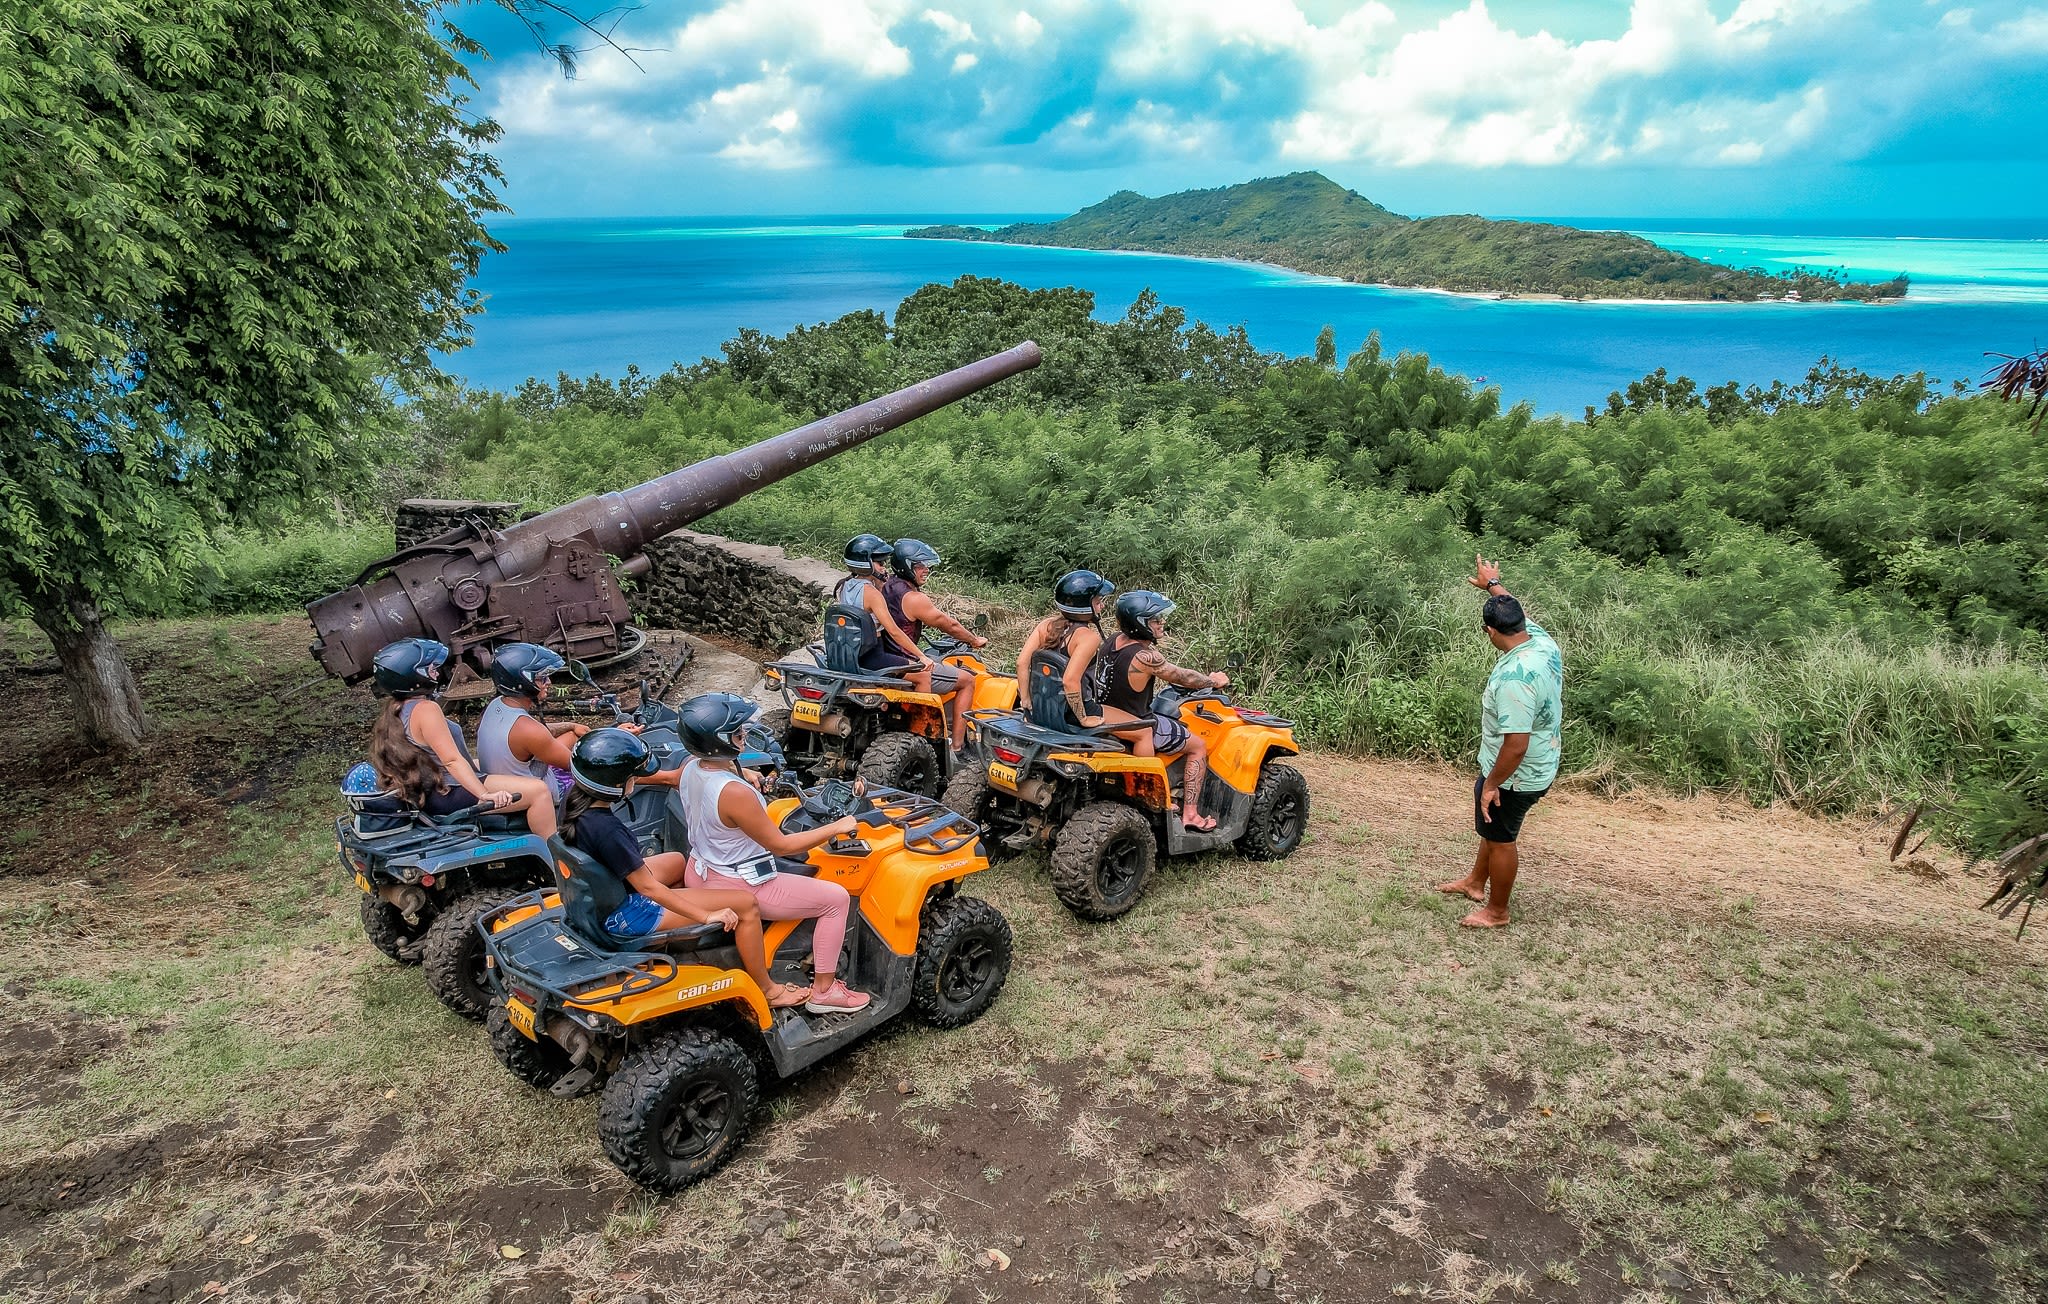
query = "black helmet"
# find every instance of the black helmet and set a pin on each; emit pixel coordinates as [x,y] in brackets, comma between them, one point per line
[1139,606]
[908,554]
[1076,591]
[519,668]
[411,666]
[863,550]
[605,759]
[710,723]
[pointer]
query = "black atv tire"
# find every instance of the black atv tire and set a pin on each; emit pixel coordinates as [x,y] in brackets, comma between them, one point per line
[1279,817]
[1103,859]
[453,956]
[539,1064]
[384,924]
[901,760]
[963,960]
[678,1108]
[968,793]
[776,722]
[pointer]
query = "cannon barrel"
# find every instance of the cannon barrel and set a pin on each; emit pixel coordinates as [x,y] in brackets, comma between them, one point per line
[548,579]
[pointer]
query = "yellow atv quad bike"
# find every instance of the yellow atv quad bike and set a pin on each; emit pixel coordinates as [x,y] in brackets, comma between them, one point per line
[672,1026]
[846,721]
[1039,779]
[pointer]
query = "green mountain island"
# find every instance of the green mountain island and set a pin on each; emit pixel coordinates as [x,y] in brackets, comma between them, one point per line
[1308,223]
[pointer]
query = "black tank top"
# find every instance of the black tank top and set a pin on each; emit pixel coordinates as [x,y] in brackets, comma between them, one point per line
[1118,692]
[892,593]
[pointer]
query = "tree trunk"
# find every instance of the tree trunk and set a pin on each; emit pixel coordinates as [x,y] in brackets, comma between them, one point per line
[104,699]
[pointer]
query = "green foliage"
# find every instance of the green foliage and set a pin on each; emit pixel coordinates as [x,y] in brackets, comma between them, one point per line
[1792,594]
[1319,521]
[1310,223]
[231,231]
[251,572]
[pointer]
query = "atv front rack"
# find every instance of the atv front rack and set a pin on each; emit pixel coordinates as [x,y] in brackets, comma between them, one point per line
[929,829]
[541,953]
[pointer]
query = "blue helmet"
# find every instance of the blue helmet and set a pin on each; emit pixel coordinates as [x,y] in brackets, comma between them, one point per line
[519,668]
[411,667]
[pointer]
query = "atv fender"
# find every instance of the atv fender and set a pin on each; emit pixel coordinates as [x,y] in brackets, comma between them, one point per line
[1142,778]
[1237,754]
[694,986]
[469,857]
[894,900]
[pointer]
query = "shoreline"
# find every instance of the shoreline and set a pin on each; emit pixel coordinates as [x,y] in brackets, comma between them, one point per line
[1490,296]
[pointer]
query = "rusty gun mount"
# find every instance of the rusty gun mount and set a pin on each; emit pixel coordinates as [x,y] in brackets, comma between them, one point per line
[548,579]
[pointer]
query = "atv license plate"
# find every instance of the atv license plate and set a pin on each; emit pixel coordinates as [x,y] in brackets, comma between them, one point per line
[806,713]
[1003,776]
[363,881]
[521,1015]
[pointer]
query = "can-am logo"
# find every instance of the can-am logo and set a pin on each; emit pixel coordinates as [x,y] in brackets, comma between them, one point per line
[703,989]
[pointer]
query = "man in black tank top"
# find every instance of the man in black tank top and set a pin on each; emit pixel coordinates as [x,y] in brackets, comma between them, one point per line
[1137,667]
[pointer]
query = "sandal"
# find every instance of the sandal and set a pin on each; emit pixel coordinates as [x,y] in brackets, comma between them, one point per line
[788,997]
[1199,824]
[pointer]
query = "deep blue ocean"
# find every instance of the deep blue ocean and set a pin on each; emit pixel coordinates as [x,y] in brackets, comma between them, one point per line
[592,295]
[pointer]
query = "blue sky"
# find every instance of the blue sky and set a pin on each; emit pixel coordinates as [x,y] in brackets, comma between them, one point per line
[1806,109]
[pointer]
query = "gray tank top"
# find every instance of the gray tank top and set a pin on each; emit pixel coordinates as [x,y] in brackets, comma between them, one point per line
[494,741]
[454,731]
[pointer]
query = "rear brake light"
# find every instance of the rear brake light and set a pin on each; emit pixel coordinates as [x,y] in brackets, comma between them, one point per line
[1007,756]
[518,995]
[811,694]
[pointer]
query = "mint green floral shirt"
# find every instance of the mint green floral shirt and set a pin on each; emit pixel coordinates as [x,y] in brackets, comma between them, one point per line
[1525,694]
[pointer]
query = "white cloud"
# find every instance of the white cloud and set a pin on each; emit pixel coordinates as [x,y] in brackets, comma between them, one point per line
[952,30]
[1090,83]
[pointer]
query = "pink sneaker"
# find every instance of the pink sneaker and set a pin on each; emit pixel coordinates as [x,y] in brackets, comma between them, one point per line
[837,999]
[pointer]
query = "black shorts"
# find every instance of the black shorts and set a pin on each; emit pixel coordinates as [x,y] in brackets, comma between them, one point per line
[446,801]
[1508,812]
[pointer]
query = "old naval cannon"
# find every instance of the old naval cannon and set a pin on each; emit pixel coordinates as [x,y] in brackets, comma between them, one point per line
[549,579]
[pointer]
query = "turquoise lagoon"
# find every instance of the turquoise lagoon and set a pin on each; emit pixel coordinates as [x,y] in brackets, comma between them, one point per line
[591,296]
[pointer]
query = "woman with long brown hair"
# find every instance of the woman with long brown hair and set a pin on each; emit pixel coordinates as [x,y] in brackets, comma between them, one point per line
[417,750]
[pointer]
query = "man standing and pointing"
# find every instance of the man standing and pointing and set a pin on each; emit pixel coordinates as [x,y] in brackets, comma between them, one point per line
[1520,718]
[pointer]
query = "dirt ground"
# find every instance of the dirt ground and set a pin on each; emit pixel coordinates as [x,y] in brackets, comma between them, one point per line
[1723,1053]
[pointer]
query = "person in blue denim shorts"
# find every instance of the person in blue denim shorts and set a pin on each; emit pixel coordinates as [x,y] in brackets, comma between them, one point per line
[1521,716]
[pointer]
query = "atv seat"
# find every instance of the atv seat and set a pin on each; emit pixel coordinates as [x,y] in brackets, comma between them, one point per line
[590,893]
[1046,706]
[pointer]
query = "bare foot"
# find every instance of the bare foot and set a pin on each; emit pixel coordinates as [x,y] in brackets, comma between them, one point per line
[1463,887]
[1485,917]
[782,996]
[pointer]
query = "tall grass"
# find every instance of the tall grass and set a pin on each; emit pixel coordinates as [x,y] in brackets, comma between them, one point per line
[1348,603]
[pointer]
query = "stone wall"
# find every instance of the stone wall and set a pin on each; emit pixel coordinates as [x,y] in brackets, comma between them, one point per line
[420,519]
[756,595]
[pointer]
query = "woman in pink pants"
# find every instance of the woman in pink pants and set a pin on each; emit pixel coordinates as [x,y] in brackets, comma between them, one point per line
[734,842]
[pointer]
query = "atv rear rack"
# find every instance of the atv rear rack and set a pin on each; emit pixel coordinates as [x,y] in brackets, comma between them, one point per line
[541,953]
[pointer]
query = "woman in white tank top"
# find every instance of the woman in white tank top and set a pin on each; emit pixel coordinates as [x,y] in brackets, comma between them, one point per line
[734,842]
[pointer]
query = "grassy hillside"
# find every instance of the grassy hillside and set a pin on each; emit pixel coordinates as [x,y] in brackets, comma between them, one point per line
[1308,222]
[1817,593]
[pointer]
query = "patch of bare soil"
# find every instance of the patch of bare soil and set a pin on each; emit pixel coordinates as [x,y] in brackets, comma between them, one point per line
[1699,855]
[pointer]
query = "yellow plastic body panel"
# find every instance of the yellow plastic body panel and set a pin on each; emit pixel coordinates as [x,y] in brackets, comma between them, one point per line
[927,712]
[1237,750]
[694,986]
[549,902]
[1144,777]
